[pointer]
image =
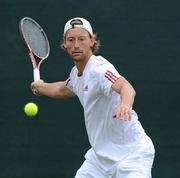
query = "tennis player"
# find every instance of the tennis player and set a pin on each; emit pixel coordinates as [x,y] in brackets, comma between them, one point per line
[120,148]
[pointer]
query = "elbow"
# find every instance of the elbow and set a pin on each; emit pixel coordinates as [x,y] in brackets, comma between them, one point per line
[133,92]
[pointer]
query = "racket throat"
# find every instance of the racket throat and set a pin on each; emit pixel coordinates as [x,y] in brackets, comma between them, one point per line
[34,63]
[36,71]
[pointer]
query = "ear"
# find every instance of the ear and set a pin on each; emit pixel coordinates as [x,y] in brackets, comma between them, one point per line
[64,46]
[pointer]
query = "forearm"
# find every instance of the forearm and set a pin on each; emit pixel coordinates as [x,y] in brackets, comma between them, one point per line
[127,93]
[53,90]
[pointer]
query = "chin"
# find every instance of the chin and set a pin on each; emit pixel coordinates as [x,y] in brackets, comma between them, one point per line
[77,58]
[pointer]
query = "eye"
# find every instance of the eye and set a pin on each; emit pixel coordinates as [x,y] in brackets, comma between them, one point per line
[70,39]
[82,38]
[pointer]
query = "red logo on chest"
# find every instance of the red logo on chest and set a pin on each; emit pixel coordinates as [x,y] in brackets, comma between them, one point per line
[85,88]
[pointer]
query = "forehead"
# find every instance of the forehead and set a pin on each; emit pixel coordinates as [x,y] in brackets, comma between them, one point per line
[77,32]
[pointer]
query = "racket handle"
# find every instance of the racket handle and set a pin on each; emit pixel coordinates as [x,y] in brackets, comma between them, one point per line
[36,74]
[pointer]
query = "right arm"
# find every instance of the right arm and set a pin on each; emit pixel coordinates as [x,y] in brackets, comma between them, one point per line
[57,90]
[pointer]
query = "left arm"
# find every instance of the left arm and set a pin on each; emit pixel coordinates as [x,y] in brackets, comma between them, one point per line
[127,92]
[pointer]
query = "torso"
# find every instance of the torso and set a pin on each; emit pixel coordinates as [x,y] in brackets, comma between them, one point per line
[109,137]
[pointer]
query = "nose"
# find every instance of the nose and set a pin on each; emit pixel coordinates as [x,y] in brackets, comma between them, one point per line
[76,44]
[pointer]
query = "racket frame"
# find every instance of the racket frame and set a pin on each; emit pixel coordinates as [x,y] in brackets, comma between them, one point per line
[33,55]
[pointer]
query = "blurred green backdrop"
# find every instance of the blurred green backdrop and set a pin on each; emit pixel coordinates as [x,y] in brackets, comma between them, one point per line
[141,38]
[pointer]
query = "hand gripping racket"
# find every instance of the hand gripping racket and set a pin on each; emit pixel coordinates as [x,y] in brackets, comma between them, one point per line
[36,42]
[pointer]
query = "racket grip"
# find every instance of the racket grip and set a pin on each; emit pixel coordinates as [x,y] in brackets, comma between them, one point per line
[36,74]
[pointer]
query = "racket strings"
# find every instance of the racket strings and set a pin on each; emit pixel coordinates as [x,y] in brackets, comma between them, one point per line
[35,38]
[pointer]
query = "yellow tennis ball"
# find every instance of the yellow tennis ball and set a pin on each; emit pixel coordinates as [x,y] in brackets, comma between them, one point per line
[31,109]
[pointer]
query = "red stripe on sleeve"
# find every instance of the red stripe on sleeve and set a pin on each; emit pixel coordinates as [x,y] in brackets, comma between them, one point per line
[67,81]
[109,79]
[110,76]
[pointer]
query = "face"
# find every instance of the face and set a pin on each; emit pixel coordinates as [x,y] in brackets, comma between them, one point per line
[78,44]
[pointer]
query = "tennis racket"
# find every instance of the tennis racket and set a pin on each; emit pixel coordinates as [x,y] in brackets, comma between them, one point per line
[37,43]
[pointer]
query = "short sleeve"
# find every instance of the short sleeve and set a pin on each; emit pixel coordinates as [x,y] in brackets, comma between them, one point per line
[107,76]
[69,81]
[69,84]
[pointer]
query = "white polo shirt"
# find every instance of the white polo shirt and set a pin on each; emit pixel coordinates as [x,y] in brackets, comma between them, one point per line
[110,138]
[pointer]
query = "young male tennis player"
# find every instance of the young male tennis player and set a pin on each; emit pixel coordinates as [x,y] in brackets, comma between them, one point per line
[120,148]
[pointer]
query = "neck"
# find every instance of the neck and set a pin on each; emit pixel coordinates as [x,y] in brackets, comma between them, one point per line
[82,63]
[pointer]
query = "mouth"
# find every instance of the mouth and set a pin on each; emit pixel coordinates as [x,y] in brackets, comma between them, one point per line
[76,53]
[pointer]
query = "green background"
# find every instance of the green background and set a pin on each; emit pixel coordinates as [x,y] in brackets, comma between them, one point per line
[141,38]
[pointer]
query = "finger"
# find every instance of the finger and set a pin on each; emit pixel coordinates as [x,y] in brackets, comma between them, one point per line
[116,115]
[119,116]
[122,113]
[36,93]
[125,114]
[32,87]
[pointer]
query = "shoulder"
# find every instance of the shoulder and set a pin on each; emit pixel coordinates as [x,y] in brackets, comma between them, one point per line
[73,71]
[99,60]
[103,69]
[99,63]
